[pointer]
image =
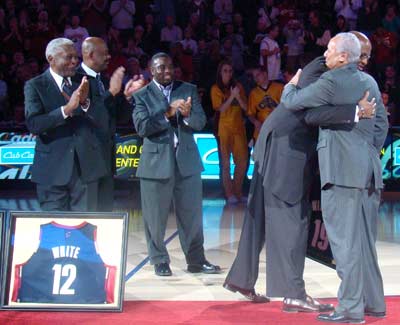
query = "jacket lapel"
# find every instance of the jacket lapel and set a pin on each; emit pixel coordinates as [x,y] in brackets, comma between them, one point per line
[52,88]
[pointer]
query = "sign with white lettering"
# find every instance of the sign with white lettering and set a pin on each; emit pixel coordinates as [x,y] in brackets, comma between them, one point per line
[59,261]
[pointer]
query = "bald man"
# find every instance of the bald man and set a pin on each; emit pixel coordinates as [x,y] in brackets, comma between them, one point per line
[108,105]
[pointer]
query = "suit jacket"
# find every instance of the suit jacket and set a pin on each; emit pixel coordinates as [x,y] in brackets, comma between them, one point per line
[348,156]
[58,139]
[105,110]
[158,154]
[287,141]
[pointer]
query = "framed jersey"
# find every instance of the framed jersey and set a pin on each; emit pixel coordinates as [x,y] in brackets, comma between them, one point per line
[64,261]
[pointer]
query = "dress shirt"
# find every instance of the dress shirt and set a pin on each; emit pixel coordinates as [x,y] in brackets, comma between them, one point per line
[59,81]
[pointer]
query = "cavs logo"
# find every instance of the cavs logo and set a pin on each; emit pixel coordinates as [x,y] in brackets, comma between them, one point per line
[267,103]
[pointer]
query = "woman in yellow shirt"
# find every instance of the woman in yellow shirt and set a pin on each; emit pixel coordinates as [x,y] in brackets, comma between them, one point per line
[229,99]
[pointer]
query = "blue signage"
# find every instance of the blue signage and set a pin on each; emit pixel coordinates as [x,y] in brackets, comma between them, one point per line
[208,148]
[17,154]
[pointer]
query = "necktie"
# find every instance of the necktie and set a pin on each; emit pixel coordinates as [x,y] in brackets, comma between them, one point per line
[100,84]
[66,88]
[166,92]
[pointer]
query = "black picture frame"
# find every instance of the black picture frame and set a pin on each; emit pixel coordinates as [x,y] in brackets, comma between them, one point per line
[2,222]
[64,261]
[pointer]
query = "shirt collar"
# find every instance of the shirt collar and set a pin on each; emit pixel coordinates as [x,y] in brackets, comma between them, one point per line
[58,79]
[90,72]
[161,87]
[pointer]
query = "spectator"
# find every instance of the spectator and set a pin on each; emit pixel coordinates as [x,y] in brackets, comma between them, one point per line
[340,26]
[270,53]
[349,10]
[132,69]
[223,9]
[151,36]
[121,12]
[316,37]
[262,99]
[14,39]
[188,43]
[390,108]
[391,21]
[131,49]
[42,33]
[171,33]
[384,44]
[95,17]
[390,84]
[369,17]
[196,27]
[294,34]
[199,8]
[76,33]
[269,12]
[229,100]
[24,21]
[3,98]
[162,9]
[260,34]
[63,18]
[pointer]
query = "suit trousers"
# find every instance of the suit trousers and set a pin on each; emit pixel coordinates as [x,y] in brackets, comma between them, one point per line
[74,196]
[106,193]
[350,218]
[285,230]
[185,193]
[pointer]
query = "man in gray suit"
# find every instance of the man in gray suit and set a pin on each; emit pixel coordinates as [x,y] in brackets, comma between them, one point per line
[278,208]
[351,178]
[167,112]
[68,160]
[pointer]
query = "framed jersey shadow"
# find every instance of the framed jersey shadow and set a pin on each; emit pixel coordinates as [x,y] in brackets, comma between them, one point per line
[64,261]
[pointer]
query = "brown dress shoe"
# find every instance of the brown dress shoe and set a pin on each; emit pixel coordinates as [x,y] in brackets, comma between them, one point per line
[308,305]
[248,294]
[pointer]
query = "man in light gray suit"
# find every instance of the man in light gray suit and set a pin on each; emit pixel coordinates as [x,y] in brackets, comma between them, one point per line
[278,210]
[167,112]
[351,178]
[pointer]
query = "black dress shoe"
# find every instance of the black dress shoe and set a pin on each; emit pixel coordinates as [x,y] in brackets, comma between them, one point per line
[308,305]
[162,269]
[339,318]
[378,314]
[248,294]
[205,267]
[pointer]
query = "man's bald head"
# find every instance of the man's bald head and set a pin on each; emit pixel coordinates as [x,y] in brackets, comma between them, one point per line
[366,48]
[95,53]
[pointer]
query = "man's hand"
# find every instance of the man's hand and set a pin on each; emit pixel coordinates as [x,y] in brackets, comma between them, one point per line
[366,108]
[84,90]
[73,102]
[186,107]
[174,106]
[134,85]
[116,81]
[296,77]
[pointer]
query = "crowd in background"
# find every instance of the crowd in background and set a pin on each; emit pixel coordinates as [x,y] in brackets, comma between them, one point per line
[280,35]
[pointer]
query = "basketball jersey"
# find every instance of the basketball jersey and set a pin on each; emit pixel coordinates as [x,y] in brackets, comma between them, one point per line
[66,268]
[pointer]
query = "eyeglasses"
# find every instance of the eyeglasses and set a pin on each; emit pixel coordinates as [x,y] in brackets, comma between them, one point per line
[365,56]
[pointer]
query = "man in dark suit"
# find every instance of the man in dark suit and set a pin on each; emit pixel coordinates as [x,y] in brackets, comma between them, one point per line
[351,178]
[68,160]
[278,207]
[167,112]
[107,106]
